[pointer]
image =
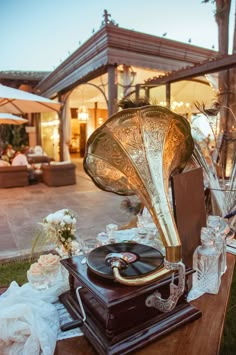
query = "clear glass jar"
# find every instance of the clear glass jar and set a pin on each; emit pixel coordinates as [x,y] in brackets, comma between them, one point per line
[102,238]
[220,228]
[206,263]
[110,231]
[39,282]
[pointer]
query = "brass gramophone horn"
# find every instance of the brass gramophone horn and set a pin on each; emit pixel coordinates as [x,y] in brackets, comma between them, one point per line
[135,152]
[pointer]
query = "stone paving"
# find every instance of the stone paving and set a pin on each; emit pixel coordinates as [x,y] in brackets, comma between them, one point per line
[22,208]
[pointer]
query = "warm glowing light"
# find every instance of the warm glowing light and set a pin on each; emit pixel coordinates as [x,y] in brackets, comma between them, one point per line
[50,123]
[83,114]
[55,136]
[100,121]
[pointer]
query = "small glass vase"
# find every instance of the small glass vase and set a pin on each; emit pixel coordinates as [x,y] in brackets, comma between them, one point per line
[219,226]
[110,230]
[51,272]
[38,282]
[206,263]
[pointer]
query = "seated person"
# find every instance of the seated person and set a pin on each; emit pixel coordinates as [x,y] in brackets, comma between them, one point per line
[10,152]
[38,150]
[5,157]
[4,163]
[20,158]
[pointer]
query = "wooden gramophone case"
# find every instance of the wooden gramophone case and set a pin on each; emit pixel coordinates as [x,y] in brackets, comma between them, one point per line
[118,321]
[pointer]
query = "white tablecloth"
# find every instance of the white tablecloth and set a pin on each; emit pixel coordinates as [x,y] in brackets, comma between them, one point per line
[29,319]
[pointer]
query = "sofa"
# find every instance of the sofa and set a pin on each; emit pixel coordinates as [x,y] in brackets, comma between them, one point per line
[13,176]
[59,174]
[38,159]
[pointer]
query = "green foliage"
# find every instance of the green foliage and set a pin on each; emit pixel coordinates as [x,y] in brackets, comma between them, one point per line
[14,271]
[229,334]
[12,134]
[20,137]
[5,135]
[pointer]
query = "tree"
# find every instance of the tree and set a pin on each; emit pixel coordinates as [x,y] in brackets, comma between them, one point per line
[227,81]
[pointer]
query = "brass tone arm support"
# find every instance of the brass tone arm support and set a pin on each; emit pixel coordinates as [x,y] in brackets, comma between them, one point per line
[139,281]
[166,305]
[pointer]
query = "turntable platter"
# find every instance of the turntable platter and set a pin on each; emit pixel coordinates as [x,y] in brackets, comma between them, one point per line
[141,259]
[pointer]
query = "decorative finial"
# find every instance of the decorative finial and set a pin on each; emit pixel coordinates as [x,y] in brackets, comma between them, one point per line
[107,19]
[106,16]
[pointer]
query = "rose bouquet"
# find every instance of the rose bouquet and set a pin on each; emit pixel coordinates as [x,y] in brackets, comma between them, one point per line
[50,265]
[60,228]
[49,262]
[43,273]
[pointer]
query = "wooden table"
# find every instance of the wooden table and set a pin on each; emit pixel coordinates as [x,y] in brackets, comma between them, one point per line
[202,336]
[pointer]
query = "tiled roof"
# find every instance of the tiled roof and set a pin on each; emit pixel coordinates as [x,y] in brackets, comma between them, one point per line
[23,75]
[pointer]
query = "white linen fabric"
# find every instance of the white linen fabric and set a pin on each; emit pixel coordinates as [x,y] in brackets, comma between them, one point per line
[28,320]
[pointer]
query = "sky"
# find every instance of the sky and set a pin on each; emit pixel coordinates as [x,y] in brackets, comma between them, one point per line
[40,34]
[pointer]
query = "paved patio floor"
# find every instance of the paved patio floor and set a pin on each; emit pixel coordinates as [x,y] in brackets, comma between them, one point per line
[22,208]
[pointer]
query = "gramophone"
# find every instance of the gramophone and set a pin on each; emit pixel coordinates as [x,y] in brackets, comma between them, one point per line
[128,294]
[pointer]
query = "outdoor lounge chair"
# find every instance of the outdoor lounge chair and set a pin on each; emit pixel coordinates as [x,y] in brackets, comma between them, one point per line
[59,174]
[14,176]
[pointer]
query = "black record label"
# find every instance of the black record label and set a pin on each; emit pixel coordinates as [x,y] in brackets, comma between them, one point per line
[141,259]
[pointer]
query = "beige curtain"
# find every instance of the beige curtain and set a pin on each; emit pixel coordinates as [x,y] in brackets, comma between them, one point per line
[66,119]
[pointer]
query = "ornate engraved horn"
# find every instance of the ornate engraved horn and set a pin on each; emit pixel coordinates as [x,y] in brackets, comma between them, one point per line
[135,152]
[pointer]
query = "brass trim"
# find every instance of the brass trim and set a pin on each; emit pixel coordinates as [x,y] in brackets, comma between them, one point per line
[140,281]
[174,253]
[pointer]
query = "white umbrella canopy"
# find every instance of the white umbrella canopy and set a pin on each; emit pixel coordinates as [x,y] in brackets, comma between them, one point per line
[186,92]
[20,102]
[8,118]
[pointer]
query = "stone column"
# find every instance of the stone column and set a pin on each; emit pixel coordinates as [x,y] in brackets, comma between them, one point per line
[112,90]
[32,135]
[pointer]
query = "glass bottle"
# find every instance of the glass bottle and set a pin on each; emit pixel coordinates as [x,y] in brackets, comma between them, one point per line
[219,226]
[110,231]
[206,263]
[102,239]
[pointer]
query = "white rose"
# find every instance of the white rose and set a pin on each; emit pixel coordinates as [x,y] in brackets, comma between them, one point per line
[67,219]
[57,218]
[49,218]
[63,211]
[48,260]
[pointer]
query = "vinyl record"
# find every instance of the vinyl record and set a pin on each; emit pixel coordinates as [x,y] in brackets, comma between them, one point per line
[142,259]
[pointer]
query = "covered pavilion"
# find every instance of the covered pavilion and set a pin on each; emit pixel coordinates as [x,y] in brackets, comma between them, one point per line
[112,64]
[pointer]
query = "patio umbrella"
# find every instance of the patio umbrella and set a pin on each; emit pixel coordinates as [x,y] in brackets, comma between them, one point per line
[8,118]
[20,102]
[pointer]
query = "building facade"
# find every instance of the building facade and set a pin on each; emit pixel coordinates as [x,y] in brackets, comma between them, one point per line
[114,63]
